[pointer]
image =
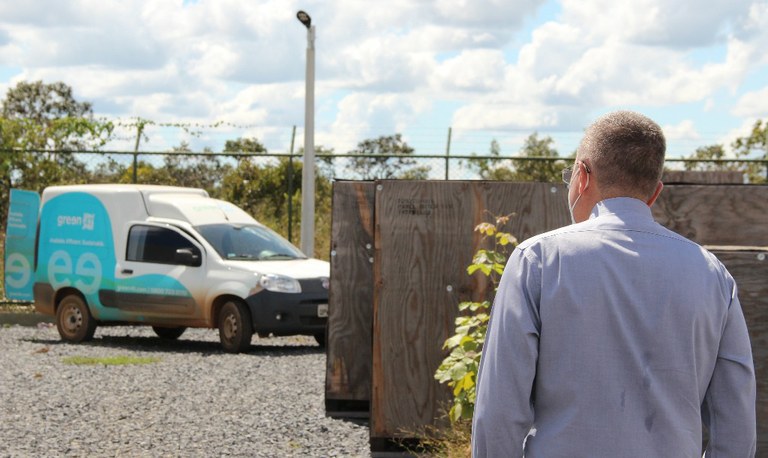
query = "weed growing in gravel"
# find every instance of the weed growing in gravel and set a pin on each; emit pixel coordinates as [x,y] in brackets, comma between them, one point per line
[109,360]
[446,441]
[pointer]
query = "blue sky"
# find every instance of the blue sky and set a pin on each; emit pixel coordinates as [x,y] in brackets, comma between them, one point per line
[487,69]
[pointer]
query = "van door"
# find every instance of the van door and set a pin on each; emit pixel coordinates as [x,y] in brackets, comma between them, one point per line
[20,238]
[161,275]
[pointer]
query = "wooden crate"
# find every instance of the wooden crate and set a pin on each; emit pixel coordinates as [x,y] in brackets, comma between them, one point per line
[702,177]
[424,241]
[350,315]
[388,319]
[716,214]
[750,270]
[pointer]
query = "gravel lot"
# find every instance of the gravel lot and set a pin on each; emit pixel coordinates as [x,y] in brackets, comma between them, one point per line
[195,401]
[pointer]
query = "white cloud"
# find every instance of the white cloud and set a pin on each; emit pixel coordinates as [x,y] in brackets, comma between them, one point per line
[472,70]
[752,104]
[505,116]
[676,24]
[382,65]
[685,130]
[603,53]
[485,13]
[364,116]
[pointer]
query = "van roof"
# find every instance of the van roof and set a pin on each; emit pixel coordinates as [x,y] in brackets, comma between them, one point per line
[145,189]
[196,210]
[192,205]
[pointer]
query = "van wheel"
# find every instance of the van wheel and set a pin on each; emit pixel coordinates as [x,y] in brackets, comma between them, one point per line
[74,320]
[235,327]
[169,333]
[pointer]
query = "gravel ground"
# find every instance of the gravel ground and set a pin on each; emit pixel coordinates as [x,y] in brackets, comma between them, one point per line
[195,401]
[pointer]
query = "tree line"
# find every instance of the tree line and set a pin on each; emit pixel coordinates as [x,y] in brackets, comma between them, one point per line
[42,126]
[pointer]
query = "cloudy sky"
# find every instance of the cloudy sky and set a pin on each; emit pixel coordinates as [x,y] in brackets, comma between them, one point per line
[484,68]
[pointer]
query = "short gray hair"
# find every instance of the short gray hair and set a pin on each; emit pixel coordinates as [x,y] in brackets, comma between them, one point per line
[626,151]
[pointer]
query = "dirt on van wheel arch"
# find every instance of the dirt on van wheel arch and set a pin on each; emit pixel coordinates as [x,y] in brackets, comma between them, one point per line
[135,394]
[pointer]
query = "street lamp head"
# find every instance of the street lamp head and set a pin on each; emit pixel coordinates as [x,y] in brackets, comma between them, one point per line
[304,18]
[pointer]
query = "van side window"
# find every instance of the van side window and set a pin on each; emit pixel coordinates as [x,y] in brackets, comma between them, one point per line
[155,244]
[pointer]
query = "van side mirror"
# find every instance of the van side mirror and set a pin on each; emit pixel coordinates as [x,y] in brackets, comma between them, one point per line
[188,257]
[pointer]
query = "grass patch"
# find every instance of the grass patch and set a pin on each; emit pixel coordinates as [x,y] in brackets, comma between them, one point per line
[109,361]
[446,441]
[15,306]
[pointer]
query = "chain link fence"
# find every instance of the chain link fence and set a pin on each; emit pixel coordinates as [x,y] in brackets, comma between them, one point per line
[268,185]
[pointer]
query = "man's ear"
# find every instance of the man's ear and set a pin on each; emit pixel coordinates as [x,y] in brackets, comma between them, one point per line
[584,178]
[656,193]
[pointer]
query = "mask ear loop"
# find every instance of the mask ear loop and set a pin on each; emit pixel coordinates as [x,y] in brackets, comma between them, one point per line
[571,207]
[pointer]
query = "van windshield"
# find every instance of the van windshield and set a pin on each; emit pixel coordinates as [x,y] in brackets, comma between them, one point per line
[248,242]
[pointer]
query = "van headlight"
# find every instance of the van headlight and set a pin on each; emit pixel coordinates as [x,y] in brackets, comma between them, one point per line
[278,283]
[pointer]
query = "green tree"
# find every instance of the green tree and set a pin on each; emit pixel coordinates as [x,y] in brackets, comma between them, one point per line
[40,128]
[260,185]
[538,170]
[195,170]
[708,153]
[495,167]
[244,145]
[705,155]
[48,118]
[264,187]
[754,145]
[491,167]
[385,157]
[180,167]
[111,171]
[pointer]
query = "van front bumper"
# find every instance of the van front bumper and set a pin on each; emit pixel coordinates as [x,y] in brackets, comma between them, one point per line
[285,314]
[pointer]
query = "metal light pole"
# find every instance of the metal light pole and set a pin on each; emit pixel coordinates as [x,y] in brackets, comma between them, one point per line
[308,169]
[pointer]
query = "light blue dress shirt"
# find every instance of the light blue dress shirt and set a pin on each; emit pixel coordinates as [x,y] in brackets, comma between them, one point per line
[615,337]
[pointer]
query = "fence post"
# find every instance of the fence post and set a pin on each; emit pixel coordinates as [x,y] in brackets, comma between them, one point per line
[139,129]
[290,188]
[447,152]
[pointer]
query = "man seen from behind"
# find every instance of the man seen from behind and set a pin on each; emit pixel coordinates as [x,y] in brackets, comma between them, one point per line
[615,337]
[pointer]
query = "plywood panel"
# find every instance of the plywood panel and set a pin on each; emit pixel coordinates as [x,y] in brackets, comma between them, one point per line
[716,215]
[750,270]
[424,240]
[350,318]
[702,177]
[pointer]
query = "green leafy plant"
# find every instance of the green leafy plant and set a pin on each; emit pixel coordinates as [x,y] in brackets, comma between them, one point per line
[459,369]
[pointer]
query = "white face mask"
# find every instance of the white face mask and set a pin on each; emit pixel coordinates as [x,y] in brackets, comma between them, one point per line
[572,206]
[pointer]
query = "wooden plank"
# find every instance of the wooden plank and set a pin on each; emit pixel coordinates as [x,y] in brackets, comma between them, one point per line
[424,240]
[750,270]
[348,346]
[702,177]
[716,215]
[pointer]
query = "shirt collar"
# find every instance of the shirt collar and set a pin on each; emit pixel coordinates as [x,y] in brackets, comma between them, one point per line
[621,206]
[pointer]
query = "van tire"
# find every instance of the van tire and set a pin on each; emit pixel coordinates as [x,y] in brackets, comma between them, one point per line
[235,327]
[74,320]
[169,333]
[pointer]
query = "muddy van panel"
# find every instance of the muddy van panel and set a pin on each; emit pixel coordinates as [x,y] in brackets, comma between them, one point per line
[75,247]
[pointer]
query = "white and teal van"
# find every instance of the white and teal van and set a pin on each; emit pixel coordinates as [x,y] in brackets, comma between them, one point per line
[168,257]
